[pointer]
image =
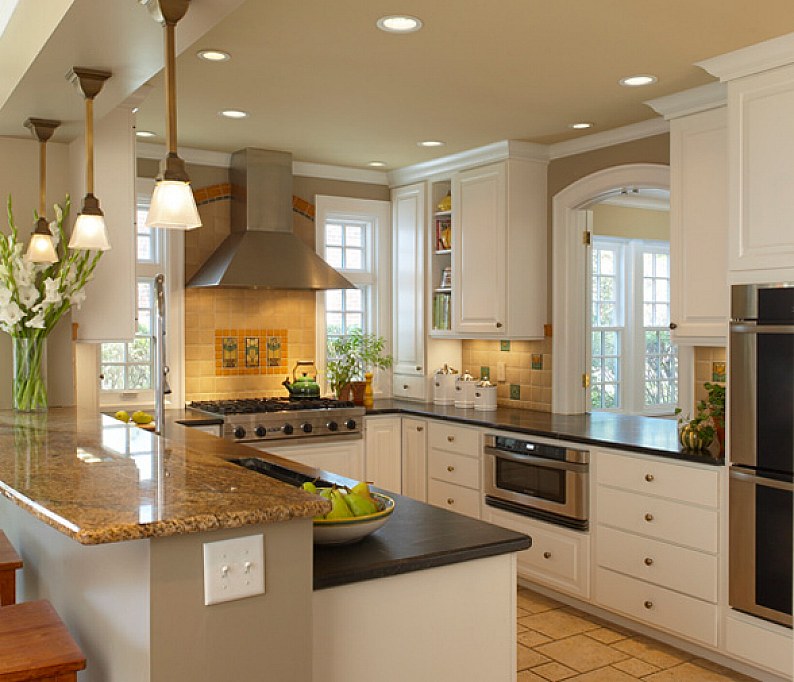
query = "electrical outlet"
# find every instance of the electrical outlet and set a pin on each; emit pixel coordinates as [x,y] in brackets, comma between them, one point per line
[234,569]
[500,371]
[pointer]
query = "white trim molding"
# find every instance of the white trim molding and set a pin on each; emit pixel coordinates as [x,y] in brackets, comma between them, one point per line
[608,138]
[569,307]
[763,56]
[692,101]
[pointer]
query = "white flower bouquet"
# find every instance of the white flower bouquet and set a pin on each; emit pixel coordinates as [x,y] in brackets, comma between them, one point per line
[33,297]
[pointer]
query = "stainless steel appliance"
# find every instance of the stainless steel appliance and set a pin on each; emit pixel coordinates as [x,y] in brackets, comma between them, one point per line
[761,408]
[548,482]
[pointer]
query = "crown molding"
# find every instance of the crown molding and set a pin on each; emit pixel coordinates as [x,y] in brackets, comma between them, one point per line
[608,138]
[446,165]
[320,170]
[746,61]
[692,101]
[201,157]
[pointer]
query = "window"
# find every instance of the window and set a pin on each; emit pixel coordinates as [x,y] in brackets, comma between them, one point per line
[633,363]
[353,237]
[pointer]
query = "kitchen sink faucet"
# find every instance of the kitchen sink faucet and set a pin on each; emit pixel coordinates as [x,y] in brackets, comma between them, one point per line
[161,369]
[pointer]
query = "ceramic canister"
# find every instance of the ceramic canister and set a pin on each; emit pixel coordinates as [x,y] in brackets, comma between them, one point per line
[464,390]
[444,386]
[485,395]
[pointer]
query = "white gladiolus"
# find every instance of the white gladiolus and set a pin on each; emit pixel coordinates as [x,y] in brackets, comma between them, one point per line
[10,314]
[5,297]
[28,295]
[37,321]
[52,293]
[77,298]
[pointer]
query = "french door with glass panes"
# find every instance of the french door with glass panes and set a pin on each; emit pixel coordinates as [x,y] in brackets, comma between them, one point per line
[633,366]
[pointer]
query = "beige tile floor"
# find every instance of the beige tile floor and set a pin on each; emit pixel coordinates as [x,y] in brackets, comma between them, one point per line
[557,642]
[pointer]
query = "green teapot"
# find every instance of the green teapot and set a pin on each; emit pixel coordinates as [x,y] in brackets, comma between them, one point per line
[304,386]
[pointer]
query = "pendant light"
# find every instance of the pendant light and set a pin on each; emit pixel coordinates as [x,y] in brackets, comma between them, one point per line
[90,232]
[173,205]
[41,248]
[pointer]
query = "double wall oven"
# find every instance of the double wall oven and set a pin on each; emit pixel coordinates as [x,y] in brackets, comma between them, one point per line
[761,404]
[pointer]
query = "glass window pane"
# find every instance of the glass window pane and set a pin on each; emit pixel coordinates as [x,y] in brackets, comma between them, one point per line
[139,377]
[353,321]
[333,234]
[647,315]
[596,341]
[595,397]
[611,343]
[661,315]
[112,352]
[665,345]
[333,323]
[607,289]
[610,395]
[144,323]
[595,371]
[647,289]
[145,294]
[663,290]
[333,255]
[662,265]
[606,317]
[354,300]
[139,350]
[651,342]
[354,235]
[354,259]
[610,369]
[607,259]
[647,264]
[333,299]
[113,377]
[651,368]
[144,248]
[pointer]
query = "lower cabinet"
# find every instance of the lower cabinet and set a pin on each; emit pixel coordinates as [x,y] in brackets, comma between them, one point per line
[760,643]
[382,441]
[414,458]
[453,468]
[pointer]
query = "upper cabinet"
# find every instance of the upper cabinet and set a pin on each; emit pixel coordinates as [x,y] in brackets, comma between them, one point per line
[760,82]
[499,238]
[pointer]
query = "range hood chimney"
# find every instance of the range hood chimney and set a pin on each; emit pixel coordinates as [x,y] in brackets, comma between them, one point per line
[261,252]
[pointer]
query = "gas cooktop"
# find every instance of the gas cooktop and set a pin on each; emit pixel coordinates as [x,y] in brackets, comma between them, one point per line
[257,405]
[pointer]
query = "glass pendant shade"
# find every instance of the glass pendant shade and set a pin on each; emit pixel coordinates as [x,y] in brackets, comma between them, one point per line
[90,233]
[41,249]
[173,206]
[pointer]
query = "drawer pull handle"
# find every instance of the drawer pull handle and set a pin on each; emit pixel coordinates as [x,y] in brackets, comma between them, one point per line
[648,561]
[450,438]
[498,325]
[649,517]
[648,605]
[405,387]
[649,477]
[420,428]
[547,555]
[450,500]
[450,468]
[419,368]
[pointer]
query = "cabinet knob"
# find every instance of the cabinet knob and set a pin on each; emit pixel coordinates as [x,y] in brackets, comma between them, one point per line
[450,500]
[498,325]
[649,517]
[547,555]
[649,477]
[419,368]
[405,387]
[673,325]
[648,561]
[420,428]
[450,438]
[648,605]
[450,468]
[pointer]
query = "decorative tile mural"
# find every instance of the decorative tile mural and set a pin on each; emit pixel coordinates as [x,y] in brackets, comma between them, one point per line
[237,351]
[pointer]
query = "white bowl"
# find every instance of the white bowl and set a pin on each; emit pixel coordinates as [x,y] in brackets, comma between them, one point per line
[355,528]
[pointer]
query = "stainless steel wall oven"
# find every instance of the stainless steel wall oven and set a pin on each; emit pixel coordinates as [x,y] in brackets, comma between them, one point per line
[761,409]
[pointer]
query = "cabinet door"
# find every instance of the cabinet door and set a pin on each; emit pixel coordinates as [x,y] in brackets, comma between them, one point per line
[414,464]
[699,227]
[761,146]
[383,452]
[478,250]
[408,348]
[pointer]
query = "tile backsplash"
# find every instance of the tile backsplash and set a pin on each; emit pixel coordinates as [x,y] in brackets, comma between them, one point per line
[710,366]
[527,381]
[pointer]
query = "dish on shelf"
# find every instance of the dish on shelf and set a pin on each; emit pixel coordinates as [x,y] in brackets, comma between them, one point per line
[352,529]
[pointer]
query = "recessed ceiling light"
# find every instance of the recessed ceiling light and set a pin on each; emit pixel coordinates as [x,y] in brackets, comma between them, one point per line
[399,23]
[377,164]
[580,126]
[213,55]
[145,133]
[234,113]
[431,143]
[638,80]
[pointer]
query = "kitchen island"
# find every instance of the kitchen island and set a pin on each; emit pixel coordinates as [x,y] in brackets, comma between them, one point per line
[111,521]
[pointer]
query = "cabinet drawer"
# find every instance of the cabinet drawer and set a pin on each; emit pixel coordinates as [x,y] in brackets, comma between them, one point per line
[660,519]
[677,613]
[652,477]
[463,500]
[658,563]
[453,468]
[460,439]
[412,387]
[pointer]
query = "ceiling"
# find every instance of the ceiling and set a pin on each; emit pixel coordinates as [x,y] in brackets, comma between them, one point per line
[321,81]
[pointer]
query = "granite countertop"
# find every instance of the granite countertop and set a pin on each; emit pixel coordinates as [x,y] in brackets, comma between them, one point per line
[649,435]
[98,480]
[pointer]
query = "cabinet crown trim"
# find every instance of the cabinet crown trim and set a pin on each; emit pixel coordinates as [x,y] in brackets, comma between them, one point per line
[692,101]
[750,60]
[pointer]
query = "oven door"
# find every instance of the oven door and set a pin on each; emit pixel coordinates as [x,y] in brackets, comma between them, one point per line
[760,546]
[545,488]
[342,455]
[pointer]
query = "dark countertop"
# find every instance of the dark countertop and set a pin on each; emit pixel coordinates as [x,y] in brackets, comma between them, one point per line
[649,435]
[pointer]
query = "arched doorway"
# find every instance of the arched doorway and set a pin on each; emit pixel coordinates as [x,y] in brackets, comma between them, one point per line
[569,304]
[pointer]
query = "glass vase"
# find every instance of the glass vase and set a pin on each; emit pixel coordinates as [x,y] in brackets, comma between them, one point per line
[29,382]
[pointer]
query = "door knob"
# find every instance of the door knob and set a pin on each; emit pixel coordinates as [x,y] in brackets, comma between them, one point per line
[649,517]
[673,325]
[649,477]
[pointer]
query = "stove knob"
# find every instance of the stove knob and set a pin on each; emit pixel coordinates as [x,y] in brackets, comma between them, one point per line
[350,424]
[239,432]
[332,426]
[287,429]
[306,427]
[260,431]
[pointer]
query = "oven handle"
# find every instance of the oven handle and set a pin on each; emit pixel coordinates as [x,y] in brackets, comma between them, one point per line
[534,459]
[741,475]
[746,327]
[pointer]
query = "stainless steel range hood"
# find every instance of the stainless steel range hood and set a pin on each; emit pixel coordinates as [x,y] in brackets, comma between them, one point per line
[261,252]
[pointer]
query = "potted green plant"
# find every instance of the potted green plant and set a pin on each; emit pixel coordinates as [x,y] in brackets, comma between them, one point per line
[350,357]
[698,433]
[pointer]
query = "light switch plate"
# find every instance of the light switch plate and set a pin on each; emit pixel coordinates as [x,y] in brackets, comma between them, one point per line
[234,569]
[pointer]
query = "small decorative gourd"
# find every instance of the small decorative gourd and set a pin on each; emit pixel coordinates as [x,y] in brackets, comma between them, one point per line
[693,438]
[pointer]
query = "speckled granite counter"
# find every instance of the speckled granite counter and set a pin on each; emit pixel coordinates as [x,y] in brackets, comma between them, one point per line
[99,481]
[616,431]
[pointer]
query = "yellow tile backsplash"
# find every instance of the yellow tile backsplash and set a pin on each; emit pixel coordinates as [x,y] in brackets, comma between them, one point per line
[710,366]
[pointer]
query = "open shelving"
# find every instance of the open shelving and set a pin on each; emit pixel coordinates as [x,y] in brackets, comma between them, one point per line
[440,261]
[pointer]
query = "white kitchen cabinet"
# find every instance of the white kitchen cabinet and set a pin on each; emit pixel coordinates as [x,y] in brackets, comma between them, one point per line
[699,228]
[382,444]
[499,250]
[414,458]
[408,299]
[343,457]
[453,464]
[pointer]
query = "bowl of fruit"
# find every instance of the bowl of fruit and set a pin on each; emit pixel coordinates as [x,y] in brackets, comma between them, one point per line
[355,513]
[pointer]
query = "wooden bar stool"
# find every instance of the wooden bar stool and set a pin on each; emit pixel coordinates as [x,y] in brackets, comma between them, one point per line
[9,564]
[35,645]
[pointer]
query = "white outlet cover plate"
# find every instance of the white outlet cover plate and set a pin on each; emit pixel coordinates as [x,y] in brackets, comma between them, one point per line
[234,569]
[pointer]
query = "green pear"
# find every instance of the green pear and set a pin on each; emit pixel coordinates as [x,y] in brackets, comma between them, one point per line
[360,506]
[362,489]
[339,508]
[309,487]
[326,493]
